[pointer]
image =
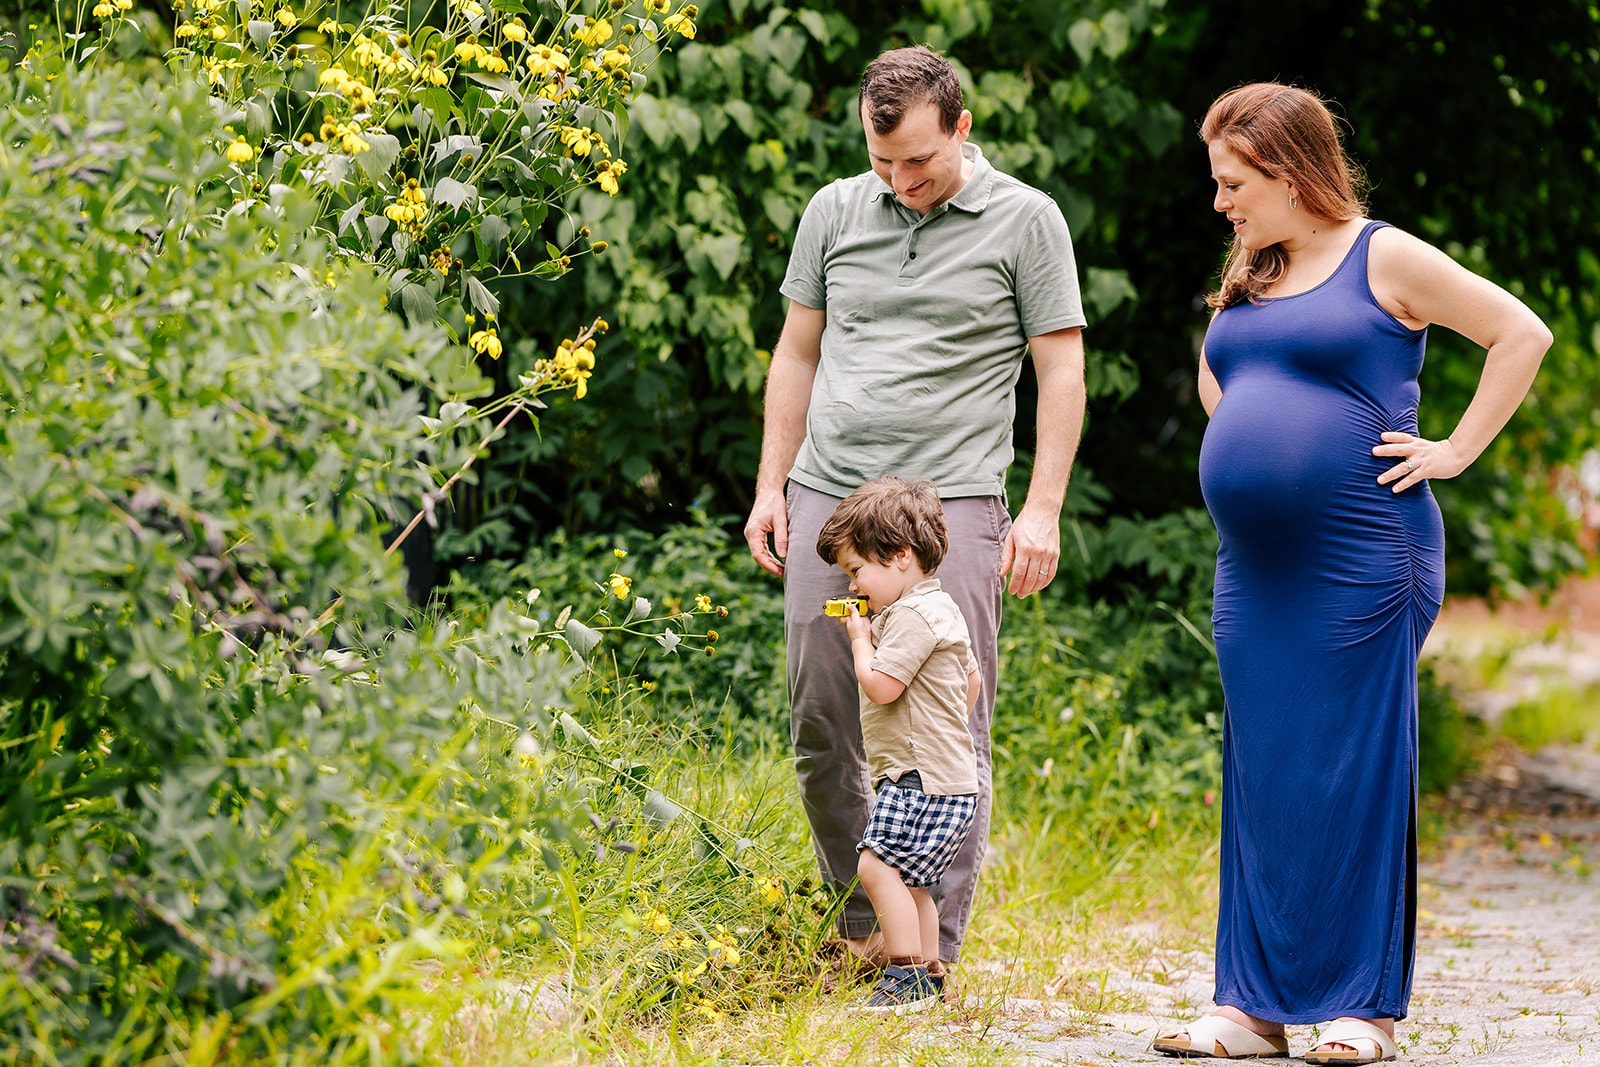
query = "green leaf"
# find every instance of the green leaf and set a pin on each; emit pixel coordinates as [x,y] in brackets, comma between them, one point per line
[382,150]
[455,194]
[420,308]
[580,638]
[1115,33]
[658,810]
[260,32]
[1082,36]
[814,23]
[493,230]
[744,116]
[377,226]
[479,296]
[574,730]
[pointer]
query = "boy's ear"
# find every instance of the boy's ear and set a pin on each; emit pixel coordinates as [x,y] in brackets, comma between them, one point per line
[905,557]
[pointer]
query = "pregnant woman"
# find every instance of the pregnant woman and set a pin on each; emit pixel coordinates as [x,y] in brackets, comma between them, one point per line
[1330,573]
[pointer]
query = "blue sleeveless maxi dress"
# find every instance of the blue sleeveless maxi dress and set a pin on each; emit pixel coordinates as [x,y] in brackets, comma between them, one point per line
[1327,583]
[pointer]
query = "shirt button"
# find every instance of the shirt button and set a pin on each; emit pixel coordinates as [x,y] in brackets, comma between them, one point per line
[913,255]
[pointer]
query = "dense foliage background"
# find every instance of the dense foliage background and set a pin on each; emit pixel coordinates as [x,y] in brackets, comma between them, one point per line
[1475,122]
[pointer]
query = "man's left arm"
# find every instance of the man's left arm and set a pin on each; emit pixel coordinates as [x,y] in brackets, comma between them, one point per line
[1033,547]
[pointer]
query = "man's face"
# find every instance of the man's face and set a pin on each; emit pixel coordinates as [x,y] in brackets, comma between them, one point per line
[918,160]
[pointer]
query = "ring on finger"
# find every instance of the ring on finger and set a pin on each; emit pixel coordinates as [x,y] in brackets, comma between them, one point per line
[1411,464]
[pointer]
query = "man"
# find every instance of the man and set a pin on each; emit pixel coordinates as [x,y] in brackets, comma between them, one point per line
[914,290]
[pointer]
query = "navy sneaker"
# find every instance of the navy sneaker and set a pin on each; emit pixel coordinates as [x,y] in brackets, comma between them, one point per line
[902,990]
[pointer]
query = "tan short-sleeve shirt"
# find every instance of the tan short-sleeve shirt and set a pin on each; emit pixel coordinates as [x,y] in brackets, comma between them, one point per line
[922,642]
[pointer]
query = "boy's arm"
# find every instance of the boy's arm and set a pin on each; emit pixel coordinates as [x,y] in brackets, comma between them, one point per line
[879,687]
[974,686]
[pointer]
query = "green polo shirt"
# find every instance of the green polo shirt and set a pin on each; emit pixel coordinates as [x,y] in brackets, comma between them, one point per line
[927,322]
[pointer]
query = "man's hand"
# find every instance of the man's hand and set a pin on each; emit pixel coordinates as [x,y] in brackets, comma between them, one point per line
[1031,551]
[1033,547]
[770,515]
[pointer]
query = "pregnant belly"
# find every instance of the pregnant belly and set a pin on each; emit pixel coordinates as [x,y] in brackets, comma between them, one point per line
[1278,455]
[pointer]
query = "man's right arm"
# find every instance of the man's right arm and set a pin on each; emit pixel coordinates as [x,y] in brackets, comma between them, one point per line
[794,368]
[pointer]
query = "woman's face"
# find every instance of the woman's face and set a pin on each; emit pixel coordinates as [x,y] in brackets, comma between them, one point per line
[1256,205]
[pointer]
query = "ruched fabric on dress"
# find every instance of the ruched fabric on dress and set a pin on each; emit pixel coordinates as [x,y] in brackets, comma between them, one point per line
[1327,584]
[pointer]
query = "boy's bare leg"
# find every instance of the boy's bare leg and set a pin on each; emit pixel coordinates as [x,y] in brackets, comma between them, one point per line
[899,919]
[927,927]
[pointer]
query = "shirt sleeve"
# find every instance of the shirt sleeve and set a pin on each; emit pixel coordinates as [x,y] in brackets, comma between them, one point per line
[1048,298]
[905,645]
[804,282]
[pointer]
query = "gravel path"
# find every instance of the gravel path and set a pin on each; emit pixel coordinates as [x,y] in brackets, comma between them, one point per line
[1508,966]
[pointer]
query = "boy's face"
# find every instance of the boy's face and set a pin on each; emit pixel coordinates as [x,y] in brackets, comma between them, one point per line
[880,583]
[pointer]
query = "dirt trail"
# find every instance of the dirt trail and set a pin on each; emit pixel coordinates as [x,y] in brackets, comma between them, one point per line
[1508,963]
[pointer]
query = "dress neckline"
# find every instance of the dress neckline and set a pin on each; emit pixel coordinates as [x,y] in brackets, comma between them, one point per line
[1349,252]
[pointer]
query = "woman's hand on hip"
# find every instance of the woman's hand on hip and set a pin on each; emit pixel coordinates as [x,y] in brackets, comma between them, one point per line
[1418,459]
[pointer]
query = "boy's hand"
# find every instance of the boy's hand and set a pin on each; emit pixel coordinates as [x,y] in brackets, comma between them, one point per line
[856,623]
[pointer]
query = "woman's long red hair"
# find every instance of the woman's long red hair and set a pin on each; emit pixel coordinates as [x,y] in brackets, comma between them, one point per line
[1288,134]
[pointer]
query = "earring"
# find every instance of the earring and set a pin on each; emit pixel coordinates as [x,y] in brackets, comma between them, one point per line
[1294,201]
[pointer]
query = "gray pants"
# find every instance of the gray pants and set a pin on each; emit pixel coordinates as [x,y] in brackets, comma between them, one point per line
[825,700]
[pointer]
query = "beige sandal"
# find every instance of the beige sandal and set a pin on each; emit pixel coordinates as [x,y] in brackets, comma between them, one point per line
[1215,1037]
[1353,1032]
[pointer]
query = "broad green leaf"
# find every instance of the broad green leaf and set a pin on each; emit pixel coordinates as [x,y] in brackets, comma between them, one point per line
[420,307]
[351,213]
[1115,33]
[1082,36]
[581,638]
[479,296]
[260,32]
[382,150]
[455,194]
[658,810]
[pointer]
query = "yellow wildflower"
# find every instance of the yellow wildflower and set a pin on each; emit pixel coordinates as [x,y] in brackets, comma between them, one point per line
[515,31]
[621,585]
[429,73]
[771,890]
[334,75]
[578,139]
[702,603]
[613,58]
[607,173]
[659,922]
[469,50]
[188,29]
[471,9]
[219,32]
[547,59]
[240,151]
[682,22]
[328,26]
[287,19]
[493,62]
[105,9]
[367,52]
[619,552]
[595,32]
[486,342]
[658,7]
[559,89]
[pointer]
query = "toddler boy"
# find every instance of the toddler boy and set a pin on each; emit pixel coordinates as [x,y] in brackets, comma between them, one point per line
[919,681]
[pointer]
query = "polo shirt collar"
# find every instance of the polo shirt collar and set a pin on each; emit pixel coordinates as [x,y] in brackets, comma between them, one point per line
[974,196]
[922,588]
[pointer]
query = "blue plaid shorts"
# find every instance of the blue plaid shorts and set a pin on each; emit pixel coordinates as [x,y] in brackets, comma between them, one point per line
[915,833]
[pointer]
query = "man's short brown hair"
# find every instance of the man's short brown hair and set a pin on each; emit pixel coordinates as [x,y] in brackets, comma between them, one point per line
[900,79]
[884,516]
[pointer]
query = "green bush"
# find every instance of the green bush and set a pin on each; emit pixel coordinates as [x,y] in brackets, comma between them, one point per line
[239,797]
